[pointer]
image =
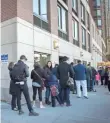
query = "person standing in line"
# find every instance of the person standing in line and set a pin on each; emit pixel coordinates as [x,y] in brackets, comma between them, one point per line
[64,71]
[97,78]
[89,76]
[80,78]
[101,72]
[74,85]
[37,75]
[12,88]
[106,76]
[19,75]
[54,87]
[94,72]
[48,72]
[109,79]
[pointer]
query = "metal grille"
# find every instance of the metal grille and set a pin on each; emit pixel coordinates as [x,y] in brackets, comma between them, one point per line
[40,23]
[62,35]
[84,47]
[37,21]
[75,42]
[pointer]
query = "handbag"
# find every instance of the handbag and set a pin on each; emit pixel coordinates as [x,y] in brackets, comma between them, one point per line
[70,82]
[35,84]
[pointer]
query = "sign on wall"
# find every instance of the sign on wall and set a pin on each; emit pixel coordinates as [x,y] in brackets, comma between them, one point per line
[4,58]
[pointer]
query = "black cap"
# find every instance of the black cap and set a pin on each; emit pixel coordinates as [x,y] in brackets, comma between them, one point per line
[23,57]
[65,58]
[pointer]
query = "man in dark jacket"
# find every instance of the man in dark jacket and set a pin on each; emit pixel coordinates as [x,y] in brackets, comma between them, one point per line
[80,78]
[64,72]
[19,75]
[94,72]
[89,76]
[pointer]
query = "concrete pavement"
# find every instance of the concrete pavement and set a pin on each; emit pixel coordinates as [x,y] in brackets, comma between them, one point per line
[94,110]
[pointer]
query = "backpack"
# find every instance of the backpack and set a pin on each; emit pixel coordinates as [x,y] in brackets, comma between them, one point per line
[54,90]
[18,73]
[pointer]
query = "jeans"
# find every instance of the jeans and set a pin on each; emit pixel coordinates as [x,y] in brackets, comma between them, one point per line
[24,90]
[54,98]
[109,85]
[92,84]
[35,93]
[65,95]
[47,93]
[88,84]
[13,101]
[82,83]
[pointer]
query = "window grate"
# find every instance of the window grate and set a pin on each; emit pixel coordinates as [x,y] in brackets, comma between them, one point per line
[40,23]
[62,35]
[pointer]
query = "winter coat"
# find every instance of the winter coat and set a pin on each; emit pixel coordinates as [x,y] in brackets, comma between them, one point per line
[48,73]
[80,72]
[38,78]
[64,71]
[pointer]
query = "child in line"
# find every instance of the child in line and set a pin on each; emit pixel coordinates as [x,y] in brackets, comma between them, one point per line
[54,87]
[97,78]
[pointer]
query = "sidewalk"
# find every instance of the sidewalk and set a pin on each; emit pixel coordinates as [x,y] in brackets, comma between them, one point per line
[94,110]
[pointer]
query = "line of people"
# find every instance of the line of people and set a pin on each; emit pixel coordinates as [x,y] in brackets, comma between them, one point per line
[57,82]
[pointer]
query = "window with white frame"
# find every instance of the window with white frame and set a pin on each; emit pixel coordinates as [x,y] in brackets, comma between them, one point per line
[88,23]
[98,2]
[82,12]
[62,19]
[99,22]
[75,29]
[89,44]
[75,5]
[40,8]
[98,12]
[83,37]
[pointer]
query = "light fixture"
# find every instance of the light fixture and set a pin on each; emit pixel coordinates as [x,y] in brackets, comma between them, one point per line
[55,44]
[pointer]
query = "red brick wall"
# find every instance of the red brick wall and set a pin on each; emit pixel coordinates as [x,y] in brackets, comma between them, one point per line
[8,9]
[25,10]
[17,8]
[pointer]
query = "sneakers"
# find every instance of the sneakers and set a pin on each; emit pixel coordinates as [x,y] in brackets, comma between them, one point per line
[34,104]
[86,97]
[32,113]
[68,105]
[41,105]
[14,109]
[47,102]
[21,112]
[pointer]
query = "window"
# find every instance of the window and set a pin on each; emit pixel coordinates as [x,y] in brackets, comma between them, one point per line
[98,2]
[75,5]
[93,31]
[99,22]
[82,12]
[75,27]
[40,8]
[41,58]
[100,31]
[62,23]
[98,12]
[89,44]
[62,19]
[83,38]
[88,24]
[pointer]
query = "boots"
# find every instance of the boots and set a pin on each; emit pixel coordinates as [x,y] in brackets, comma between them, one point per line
[41,105]
[47,101]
